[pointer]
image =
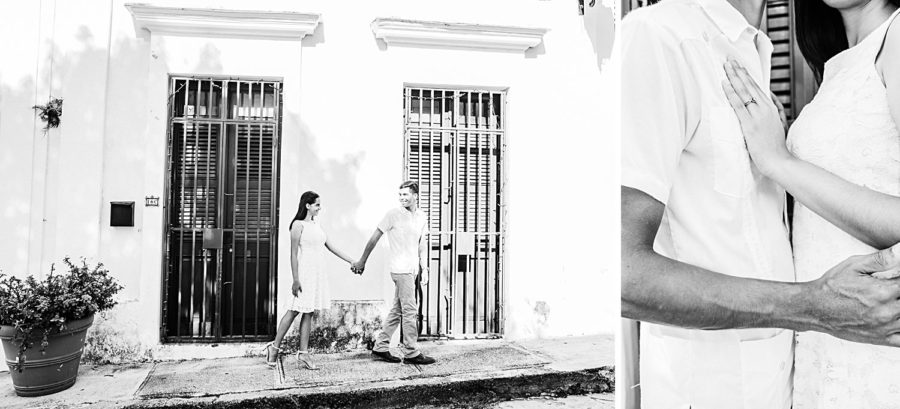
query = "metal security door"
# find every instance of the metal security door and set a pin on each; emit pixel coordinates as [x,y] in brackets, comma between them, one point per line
[222,186]
[454,150]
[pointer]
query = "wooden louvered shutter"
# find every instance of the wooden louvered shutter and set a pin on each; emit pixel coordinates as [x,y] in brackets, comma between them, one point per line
[253,174]
[428,150]
[792,80]
[477,162]
[778,29]
[628,5]
[194,181]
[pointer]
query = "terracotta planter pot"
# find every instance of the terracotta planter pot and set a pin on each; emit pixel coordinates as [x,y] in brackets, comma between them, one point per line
[53,370]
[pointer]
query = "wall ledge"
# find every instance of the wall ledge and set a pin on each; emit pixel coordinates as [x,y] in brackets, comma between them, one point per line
[395,31]
[197,22]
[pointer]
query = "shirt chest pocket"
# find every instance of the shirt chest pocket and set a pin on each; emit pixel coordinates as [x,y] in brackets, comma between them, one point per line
[731,162]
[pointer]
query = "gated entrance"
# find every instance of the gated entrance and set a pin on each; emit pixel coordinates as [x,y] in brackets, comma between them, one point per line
[454,149]
[221,216]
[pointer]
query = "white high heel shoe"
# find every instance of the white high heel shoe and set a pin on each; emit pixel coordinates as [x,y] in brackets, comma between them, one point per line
[303,361]
[269,347]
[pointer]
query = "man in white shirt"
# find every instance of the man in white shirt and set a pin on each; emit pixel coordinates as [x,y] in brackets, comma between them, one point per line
[704,241]
[406,228]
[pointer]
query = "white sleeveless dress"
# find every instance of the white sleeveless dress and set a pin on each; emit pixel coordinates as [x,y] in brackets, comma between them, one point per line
[311,263]
[847,130]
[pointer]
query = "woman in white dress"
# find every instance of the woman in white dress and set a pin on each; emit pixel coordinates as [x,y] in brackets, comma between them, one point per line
[309,291]
[841,162]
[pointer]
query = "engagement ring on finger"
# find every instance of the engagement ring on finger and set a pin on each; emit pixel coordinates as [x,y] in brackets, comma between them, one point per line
[751,101]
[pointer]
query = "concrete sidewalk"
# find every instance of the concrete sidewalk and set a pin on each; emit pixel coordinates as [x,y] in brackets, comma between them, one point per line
[467,374]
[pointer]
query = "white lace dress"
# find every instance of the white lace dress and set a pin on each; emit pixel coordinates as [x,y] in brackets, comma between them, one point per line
[848,130]
[311,263]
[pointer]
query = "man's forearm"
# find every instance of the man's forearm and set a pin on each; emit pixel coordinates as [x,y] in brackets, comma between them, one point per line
[370,245]
[661,290]
[423,254]
[846,301]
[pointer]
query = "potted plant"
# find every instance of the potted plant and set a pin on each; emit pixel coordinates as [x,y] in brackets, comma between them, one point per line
[43,324]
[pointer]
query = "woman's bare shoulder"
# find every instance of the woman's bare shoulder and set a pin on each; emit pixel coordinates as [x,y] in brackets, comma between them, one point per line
[296,228]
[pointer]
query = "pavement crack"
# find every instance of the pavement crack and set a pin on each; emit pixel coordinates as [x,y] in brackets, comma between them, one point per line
[542,356]
[137,392]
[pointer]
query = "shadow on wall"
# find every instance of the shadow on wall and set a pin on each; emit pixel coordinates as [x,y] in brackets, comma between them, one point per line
[536,51]
[26,151]
[599,24]
[18,140]
[316,38]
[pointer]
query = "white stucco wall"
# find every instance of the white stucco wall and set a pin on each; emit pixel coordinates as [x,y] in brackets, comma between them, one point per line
[342,136]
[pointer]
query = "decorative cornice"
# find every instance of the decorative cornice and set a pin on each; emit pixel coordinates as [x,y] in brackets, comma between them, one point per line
[280,25]
[435,33]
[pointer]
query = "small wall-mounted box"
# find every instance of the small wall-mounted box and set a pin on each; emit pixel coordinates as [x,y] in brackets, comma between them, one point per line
[121,214]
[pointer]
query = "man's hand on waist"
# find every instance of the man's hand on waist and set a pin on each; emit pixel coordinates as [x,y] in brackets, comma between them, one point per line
[849,303]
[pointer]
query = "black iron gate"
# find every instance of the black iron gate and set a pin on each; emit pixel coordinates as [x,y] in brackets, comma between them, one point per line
[454,150]
[221,210]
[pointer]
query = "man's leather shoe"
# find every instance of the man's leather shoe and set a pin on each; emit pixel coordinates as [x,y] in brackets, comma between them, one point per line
[420,359]
[385,356]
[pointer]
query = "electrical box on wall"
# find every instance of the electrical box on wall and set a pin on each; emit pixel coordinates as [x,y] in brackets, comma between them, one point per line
[121,214]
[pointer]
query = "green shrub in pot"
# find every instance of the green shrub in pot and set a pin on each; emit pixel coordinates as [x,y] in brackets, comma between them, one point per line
[59,308]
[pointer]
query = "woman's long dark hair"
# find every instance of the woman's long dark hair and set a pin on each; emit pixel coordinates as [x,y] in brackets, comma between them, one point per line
[820,32]
[305,199]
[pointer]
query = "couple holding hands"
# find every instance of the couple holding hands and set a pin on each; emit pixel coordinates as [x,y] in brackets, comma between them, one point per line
[406,228]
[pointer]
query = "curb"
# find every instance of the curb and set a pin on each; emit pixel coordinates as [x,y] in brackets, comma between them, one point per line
[474,393]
